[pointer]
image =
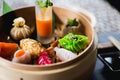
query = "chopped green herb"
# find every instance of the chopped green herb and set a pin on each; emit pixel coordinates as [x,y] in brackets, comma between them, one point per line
[44,3]
[72,22]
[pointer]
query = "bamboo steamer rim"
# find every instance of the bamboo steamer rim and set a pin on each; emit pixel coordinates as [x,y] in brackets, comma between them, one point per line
[7,63]
[88,15]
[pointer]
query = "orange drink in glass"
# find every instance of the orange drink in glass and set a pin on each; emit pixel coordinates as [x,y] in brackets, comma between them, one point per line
[44,24]
[44,27]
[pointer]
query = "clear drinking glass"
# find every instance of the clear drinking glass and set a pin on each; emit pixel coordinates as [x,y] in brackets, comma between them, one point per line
[44,24]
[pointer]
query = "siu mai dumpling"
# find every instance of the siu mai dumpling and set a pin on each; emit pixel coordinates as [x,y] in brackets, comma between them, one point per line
[22,56]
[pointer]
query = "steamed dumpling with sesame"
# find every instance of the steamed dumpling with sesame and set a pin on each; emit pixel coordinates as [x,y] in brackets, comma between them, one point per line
[34,47]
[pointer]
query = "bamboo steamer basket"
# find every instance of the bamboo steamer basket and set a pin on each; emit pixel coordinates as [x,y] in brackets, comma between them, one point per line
[79,68]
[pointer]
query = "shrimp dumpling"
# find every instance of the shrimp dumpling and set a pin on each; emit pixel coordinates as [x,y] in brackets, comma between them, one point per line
[64,54]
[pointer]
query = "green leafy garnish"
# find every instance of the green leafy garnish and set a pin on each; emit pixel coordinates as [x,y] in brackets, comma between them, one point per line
[72,22]
[74,43]
[6,8]
[44,3]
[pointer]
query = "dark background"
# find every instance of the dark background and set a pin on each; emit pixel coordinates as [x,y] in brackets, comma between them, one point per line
[115,3]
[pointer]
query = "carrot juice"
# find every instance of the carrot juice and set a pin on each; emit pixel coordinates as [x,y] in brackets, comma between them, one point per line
[44,27]
[44,24]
